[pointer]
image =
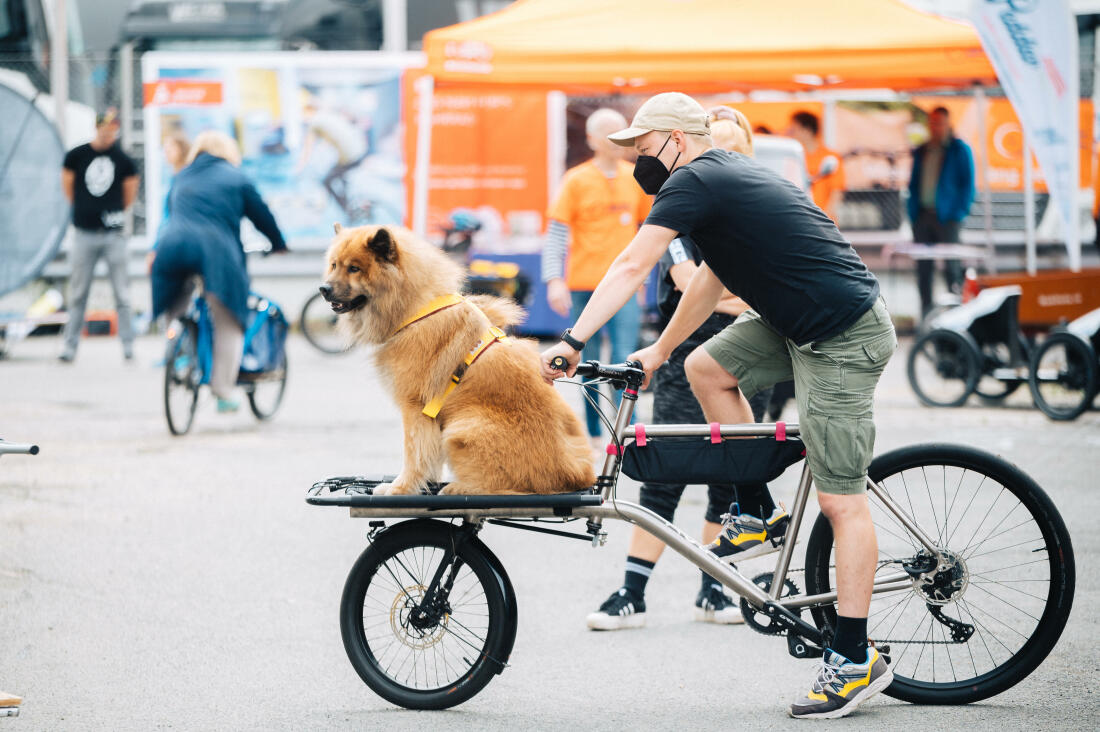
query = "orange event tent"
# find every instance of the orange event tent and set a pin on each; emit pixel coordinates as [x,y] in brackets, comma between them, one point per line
[637,46]
[721,45]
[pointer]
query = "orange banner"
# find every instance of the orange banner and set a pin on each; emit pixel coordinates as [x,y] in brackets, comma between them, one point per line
[182,92]
[489,154]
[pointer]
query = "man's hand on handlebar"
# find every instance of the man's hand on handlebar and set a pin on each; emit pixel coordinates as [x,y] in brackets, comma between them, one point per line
[562,350]
[651,358]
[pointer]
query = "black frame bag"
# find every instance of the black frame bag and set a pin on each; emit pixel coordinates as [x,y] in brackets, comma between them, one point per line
[692,460]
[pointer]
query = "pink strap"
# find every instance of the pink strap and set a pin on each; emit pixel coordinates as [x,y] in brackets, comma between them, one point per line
[639,435]
[780,431]
[612,449]
[715,433]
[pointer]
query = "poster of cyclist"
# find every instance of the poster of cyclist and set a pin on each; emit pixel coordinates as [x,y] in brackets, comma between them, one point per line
[320,134]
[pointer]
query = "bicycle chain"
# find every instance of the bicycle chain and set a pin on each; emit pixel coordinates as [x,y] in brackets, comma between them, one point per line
[884,641]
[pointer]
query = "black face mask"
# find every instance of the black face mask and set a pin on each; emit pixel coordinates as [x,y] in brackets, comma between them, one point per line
[651,173]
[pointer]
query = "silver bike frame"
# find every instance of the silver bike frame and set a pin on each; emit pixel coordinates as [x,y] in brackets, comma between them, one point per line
[676,539]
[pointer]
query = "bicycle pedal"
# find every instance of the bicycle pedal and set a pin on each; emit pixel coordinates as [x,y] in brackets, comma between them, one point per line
[799,647]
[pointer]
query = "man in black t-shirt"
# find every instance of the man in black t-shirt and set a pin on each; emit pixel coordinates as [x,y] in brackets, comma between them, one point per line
[816,316]
[101,182]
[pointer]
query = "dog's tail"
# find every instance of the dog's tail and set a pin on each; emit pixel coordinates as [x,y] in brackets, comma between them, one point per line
[500,311]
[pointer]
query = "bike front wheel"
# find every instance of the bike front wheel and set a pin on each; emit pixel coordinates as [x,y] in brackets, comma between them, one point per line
[993,612]
[1064,376]
[182,377]
[944,368]
[427,616]
[318,324]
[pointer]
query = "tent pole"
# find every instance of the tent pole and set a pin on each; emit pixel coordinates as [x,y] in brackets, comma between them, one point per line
[425,90]
[987,195]
[1029,207]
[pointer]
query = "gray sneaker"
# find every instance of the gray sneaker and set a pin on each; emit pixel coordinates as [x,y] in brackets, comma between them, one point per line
[841,686]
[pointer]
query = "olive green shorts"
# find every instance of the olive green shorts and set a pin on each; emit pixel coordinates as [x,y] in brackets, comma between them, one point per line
[834,386]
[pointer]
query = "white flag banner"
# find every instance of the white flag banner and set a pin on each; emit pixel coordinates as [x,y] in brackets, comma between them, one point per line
[1033,47]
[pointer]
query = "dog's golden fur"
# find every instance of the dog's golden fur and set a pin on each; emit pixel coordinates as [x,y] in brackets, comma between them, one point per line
[503,429]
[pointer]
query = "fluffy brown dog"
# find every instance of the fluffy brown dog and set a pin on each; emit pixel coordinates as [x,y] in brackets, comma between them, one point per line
[502,429]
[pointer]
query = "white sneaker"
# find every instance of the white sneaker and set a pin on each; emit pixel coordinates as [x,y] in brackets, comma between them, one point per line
[713,605]
[621,611]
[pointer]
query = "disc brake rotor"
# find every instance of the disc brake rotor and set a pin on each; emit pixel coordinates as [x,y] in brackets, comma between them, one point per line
[405,603]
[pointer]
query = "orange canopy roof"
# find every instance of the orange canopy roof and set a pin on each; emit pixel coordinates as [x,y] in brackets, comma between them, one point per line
[697,45]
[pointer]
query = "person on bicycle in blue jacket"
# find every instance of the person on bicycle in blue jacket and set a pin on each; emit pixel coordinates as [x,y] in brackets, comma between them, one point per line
[208,199]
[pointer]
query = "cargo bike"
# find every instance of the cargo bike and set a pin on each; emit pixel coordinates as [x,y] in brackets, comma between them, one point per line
[973,587]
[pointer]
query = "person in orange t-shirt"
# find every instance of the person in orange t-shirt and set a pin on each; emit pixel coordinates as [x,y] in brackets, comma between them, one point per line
[595,215]
[825,166]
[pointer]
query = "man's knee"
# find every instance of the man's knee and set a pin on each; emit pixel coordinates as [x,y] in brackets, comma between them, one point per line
[704,372]
[840,508]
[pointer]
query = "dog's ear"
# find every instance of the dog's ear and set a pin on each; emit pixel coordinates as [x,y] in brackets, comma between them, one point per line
[336,227]
[383,245]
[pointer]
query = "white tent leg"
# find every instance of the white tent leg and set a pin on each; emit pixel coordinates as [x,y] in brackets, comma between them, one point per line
[987,195]
[1029,207]
[425,91]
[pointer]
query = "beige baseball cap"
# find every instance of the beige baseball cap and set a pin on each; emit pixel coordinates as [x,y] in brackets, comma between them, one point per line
[665,112]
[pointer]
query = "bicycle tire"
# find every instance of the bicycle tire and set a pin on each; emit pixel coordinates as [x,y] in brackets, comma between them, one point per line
[1079,376]
[990,390]
[383,560]
[181,374]
[890,471]
[261,410]
[318,327]
[954,357]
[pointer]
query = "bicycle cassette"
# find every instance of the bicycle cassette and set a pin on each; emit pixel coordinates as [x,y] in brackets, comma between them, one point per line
[756,618]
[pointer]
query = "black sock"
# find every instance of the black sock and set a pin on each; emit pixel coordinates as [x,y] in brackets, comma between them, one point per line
[708,581]
[850,640]
[755,500]
[637,574]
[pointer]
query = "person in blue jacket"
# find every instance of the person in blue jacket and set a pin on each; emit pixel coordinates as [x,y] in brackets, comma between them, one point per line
[201,237]
[941,189]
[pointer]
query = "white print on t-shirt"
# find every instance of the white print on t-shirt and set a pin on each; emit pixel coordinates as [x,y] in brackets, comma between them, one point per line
[113,219]
[99,175]
[676,251]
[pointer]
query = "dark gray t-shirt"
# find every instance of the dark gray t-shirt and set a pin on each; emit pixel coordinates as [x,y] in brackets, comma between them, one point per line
[767,242]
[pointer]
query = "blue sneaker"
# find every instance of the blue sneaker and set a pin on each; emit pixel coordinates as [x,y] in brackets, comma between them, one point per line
[842,685]
[228,406]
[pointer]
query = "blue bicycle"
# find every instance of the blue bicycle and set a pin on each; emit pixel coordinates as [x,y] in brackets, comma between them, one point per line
[190,355]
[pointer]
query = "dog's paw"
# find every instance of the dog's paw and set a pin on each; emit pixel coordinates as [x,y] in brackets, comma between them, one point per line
[393,489]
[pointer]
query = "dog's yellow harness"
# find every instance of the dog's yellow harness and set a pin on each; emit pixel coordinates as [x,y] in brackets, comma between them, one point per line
[488,338]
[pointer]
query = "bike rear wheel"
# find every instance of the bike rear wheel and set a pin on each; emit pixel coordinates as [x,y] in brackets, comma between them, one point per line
[318,324]
[1010,574]
[265,390]
[182,377]
[427,616]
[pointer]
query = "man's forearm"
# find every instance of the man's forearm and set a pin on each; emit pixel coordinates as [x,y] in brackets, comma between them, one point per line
[620,284]
[697,303]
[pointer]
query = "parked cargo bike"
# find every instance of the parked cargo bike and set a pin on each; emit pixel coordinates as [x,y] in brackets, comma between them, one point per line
[974,583]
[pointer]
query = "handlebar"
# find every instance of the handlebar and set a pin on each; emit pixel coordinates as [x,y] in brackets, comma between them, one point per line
[12,448]
[626,374]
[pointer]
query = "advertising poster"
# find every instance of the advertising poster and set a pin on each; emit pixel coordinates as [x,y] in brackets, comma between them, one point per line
[321,135]
[489,163]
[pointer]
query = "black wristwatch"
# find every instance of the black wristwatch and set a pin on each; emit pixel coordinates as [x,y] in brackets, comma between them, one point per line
[568,339]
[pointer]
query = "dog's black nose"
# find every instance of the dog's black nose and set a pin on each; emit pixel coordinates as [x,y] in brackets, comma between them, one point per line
[326,291]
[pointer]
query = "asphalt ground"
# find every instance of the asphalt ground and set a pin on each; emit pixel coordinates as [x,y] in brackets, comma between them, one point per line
[152,582]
